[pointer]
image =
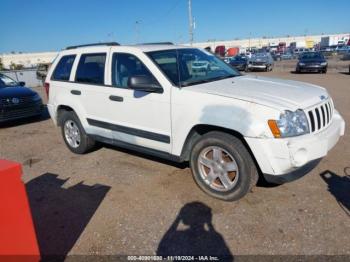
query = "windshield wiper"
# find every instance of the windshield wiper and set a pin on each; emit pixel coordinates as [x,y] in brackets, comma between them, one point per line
[207,80]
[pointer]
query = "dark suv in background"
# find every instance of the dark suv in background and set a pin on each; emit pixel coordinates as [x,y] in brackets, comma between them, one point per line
[311,62]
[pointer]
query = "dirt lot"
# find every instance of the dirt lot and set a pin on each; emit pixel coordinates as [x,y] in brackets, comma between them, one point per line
[116,202]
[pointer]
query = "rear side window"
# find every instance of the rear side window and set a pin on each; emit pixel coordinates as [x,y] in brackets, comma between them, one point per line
[63,68]
[91,69]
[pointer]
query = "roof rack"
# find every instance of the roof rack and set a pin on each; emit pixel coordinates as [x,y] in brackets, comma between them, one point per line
[158,43]
[95,44]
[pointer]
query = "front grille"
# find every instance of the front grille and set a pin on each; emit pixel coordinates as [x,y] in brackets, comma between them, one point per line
[258,63]
[19,113]
[320,116]
[26,100]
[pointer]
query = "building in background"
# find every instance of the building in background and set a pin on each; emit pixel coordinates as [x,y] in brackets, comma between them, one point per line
[27,60]
[31,60]
[299,41]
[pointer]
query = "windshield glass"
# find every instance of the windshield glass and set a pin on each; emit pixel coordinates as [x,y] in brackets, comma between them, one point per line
[311,55]
[185,67]
[6,81]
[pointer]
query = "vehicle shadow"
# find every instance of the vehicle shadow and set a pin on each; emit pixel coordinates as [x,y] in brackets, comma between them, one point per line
[198,238]
[344,73]
[182,165]
[339,187]
[24,121]
[60,214]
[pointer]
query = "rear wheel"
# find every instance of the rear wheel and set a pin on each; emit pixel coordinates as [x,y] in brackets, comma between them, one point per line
[74,134]
[222,167]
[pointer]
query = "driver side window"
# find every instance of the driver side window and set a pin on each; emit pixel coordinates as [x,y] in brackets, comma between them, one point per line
[125,66]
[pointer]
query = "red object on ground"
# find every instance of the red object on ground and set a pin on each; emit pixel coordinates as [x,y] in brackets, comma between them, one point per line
[17,235]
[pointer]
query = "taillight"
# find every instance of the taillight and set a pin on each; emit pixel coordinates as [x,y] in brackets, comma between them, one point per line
[47,89]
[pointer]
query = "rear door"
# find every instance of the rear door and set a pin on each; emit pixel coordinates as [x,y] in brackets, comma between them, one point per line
[90,89]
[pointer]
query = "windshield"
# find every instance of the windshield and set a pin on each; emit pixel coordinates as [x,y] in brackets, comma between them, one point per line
[311,55]
[185,67]
[6,81]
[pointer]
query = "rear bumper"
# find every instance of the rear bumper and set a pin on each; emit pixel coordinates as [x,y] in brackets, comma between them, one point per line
[289,158]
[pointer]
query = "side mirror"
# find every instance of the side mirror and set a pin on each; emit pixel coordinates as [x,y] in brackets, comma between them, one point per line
[144,83]
[22,83]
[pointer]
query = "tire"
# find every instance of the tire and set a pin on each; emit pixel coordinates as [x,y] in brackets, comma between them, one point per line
[233,155]
[324,71]
[69,121]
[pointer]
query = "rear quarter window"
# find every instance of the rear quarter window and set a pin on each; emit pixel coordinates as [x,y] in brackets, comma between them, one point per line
[63,68]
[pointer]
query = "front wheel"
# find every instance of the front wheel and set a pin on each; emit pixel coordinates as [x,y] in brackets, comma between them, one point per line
[222,166]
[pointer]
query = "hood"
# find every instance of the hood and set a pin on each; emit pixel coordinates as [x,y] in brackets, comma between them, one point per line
[276,93]
[309,61]
[15,91]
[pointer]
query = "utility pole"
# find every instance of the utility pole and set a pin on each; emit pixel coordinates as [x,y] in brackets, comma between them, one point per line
[190,18]
[137,31]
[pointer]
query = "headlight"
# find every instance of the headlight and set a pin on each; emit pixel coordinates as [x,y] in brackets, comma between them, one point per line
[290,124]
[324,64]
[301,64]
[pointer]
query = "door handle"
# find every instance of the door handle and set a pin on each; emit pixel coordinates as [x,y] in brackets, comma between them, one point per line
[116,98]
[76,92]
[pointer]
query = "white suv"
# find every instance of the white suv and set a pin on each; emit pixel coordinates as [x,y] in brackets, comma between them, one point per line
[229,127]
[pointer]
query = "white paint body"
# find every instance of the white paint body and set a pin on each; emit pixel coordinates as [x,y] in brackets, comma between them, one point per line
[243,104]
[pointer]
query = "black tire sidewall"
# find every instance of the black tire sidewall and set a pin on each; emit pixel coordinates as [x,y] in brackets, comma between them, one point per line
[83,147]
[236,150]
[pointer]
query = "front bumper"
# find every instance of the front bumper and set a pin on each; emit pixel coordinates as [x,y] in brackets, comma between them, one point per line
[312,68]
[261,67]
[19,112]
[286,159]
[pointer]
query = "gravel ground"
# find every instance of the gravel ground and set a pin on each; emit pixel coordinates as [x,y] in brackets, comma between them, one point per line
[112,201]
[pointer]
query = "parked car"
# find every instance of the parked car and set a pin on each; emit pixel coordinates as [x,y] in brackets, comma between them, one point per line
[227,126]
[311,62]
[41,71]
[276,56]
[17,101]
[260,61]
[239,62]
[286,56]
[346,56]
[199,66]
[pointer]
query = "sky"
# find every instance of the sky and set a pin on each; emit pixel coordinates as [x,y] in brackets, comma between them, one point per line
[51,25]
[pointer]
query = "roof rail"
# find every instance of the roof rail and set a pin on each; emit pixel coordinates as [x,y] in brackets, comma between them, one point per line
[95,44]
[158,43]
